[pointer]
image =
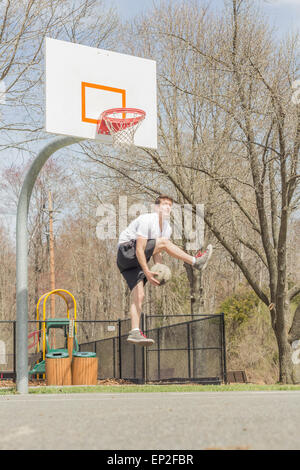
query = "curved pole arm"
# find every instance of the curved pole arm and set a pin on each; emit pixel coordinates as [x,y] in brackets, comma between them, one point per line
[21,257]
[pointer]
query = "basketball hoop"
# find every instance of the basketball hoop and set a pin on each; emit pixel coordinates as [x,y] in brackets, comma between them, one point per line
[121,124]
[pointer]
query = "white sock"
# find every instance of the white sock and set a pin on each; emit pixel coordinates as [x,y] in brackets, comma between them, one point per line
[194,259]
[135,329]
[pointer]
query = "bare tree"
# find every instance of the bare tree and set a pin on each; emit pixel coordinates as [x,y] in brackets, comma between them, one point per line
[229,136]
[24,24]
[253,97]
[53,176]
[7,276]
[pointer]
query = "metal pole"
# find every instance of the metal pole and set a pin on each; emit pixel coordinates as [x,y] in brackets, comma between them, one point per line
[189,349]
[120,350]
[144,350]
[15,340]
[158,354]
[21,259]
[114,358]
[224,348]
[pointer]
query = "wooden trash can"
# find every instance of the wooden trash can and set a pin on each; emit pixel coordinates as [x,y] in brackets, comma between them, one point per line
[58,369]
[84,368]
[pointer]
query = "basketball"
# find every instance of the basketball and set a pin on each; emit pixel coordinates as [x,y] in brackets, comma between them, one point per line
[164,273]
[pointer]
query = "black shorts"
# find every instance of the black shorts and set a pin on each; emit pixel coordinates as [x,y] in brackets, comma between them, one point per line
[128,263]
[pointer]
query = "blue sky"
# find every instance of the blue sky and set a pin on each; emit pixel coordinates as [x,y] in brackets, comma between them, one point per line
[284,14]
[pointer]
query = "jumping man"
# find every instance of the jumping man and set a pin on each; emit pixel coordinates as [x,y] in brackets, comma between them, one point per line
[149,235]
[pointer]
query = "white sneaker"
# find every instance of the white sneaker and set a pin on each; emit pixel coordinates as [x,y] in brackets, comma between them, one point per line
[202,258]
[137,337]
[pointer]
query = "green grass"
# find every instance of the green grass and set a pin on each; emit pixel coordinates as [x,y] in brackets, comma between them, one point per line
[8,391]
[151,388]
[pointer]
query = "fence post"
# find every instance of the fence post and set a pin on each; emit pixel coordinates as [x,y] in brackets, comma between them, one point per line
[120,352]
[144,363]
[189,349]
[114,358]
[224,348]
[158,354]
[15,351]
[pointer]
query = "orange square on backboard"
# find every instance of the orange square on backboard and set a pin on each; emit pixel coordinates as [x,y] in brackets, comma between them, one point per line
[85,85]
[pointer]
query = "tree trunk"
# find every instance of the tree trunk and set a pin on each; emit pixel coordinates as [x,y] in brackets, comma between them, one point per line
[200,331]
[196,290]
[284,348]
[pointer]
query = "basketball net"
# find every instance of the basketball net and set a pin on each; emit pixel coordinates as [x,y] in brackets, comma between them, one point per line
[121,124]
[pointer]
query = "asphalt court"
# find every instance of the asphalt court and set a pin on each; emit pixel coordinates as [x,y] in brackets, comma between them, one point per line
[146,421]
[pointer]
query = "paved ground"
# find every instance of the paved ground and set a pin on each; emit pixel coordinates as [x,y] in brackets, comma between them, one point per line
[158,421]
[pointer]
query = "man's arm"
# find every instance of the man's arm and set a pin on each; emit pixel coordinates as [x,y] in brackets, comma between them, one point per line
[140,254]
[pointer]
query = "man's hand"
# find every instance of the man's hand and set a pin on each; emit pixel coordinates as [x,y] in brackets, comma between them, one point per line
[150,275]
[140,254]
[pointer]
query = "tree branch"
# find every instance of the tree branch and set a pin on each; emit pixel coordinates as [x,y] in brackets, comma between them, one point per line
[293,292]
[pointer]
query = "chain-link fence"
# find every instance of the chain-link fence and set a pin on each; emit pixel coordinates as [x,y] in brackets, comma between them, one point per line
[8,347]
[187,348]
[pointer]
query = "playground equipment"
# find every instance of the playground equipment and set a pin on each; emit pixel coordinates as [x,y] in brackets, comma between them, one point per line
[44,327]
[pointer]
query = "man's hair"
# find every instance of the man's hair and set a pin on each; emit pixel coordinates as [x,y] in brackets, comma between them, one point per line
[163,196]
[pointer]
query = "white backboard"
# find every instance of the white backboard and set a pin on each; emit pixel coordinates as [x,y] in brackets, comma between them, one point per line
[82,82]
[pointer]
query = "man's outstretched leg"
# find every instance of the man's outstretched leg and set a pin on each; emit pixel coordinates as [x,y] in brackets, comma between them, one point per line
[198,262]
[136,336]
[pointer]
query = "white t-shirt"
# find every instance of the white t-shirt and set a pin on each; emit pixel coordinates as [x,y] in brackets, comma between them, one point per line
[147,226]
